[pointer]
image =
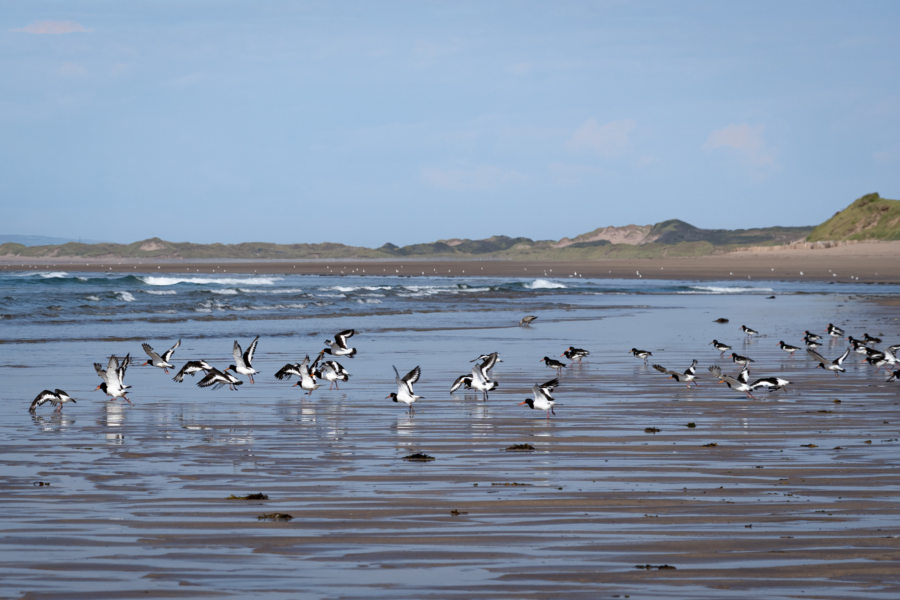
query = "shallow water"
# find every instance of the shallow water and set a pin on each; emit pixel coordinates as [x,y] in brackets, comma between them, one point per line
[797,498]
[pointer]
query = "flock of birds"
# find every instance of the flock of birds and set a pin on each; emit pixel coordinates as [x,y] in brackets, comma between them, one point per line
[310,372]
[741,383]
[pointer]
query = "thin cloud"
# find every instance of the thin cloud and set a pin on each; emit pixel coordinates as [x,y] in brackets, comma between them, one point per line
[608,140]
[52,28]
[744,140]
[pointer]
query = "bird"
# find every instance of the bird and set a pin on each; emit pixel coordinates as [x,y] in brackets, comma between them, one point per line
[788,348]
[834,331]
[830,365]
[687,377]
[542,397]
[243,361]
[871,338]
[57,397]
[332,371]
[554,364]
[464,379]
[481,381]
[894,376]
[308,375]
[576,354]
[339,346]
[720,346]
[641,353]
[527,320]
[749,331]
[289,370]
[404,391]
[156,360]
[215,378]
[735,384]
[741,360]
[191,367]
[810,336]
[488,362]
[890,354]
[113,377]
[771,384]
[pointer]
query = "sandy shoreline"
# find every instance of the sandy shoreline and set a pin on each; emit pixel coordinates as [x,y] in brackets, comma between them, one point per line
[874,262]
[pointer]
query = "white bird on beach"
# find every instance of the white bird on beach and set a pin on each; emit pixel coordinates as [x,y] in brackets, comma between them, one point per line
[57,397]
[161,362]
[113,377]
[243,361]
[404,391]
[308,375]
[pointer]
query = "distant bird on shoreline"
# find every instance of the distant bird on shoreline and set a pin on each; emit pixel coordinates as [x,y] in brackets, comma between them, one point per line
[834,331]
[527,320]
[57,397]
[332,371]
[722,348]
[575,354]
[788,348]
[749,331]
[554,364]
[641,353]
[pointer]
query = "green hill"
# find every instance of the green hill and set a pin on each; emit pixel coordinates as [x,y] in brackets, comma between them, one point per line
[868,218]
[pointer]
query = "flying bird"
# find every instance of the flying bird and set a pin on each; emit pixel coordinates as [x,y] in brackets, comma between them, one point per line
[404,391]
[57,397]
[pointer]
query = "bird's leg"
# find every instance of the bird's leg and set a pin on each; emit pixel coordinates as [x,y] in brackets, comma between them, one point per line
[127,399]
[251,379]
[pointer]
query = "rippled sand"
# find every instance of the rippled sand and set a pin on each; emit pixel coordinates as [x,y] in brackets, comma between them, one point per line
[793,495]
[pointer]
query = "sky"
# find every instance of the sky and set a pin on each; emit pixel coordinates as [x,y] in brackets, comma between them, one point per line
[405,122]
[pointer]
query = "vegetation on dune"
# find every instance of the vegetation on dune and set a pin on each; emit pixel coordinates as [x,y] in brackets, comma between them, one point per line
[870,217]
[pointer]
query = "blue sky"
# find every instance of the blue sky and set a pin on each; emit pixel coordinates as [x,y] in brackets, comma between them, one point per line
[369,122]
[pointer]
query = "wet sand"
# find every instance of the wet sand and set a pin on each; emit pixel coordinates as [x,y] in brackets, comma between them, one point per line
[793,495]
[875,262]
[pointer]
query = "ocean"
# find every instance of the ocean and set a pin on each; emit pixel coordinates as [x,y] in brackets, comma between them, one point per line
[634,470]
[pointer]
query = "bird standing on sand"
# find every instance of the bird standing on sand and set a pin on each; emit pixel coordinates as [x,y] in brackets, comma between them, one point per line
[788,348]
[749,331]
[191,367]
[722,348]
[834,331]
[871,338]
[527,320]
[161,362]
[741,360]
[114,377]
[830,365]
[542,397]
[554,364]
[243,362]
[57,397]
[576,354]
[339,346]
[404,391]
[641,353]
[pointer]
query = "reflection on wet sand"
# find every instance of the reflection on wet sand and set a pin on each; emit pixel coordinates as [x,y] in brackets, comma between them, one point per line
[634,488]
